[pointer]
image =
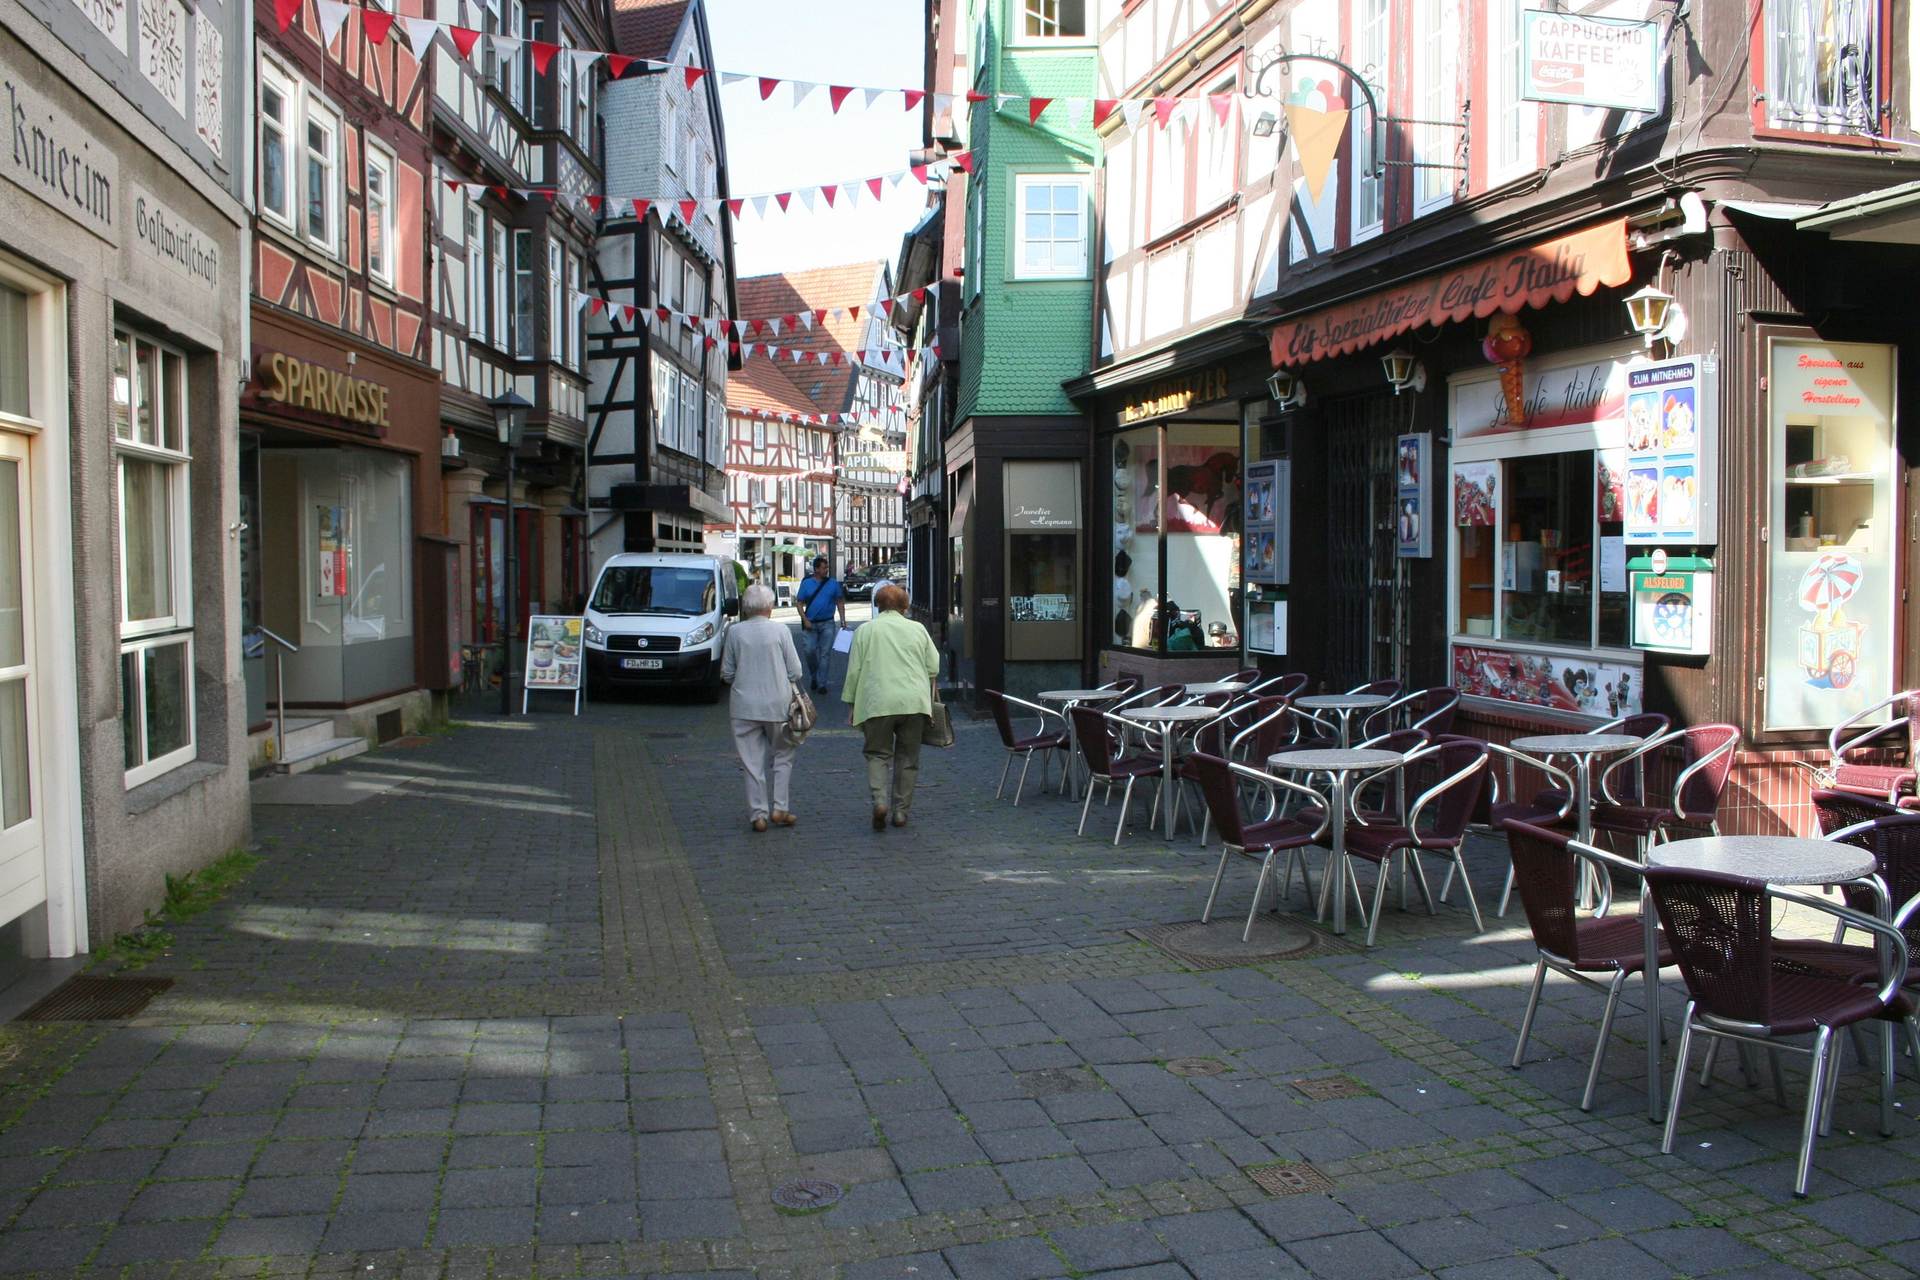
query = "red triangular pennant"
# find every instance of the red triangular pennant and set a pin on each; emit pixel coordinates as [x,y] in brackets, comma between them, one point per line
[665,315]
[377,24]
[767,85]
[735,206]
[1222,103]
[874,185]
[628,308]
[961,160]
[914,97]
[1035,106]
[920,174]
[687,209]
[711,343]
[285,11]
[596,305]
[783,199]
[640,208]
[853,313]
[886,307]
[464,38]
[974,95]
[829,193]
[919,295]
[1102,108]
[543,53]
[617,64]
[839,357]
[454,184]
[1163,109]
[837,94]
[499,191]
[594,202]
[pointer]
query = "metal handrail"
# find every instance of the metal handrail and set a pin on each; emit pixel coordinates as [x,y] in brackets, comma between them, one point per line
[280,692]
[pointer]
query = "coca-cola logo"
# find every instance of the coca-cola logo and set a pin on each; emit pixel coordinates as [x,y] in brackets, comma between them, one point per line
[1560,77]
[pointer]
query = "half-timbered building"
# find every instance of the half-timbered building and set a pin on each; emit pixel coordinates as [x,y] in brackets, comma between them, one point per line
[780,475]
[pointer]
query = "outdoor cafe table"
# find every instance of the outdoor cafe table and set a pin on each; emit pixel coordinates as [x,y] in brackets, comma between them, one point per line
[1337,765]
[1204,687]
[1068,699]
[1785,860]
[1583,747]
[1166,718]
[1345,704]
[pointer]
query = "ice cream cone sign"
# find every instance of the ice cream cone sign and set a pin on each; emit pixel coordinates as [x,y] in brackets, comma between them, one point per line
[1507,344]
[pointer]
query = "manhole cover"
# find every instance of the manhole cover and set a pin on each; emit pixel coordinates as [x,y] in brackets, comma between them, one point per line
[808,1195]
[1288,1178]
[88,999]
[1327,1088]
[1218,946]
[1197,1067]
[1052,1080]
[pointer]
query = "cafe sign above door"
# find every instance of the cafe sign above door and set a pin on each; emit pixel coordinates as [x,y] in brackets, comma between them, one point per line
[1552,271]
[1175,395]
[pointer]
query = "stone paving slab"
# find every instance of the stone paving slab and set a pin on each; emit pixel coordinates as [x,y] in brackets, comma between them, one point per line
[549,1009]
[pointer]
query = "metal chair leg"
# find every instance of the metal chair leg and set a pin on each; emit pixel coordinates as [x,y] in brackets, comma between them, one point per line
[1473,903]
[1886,1079]
[1836,1062]
[1259,891]
[1533,1007]
[1026,765]
[1706,1062]
[1679,1080]
[1219,874]
[1816,1092]
[1506,892]
[1600,1045]
[1420,881]
[1379,896]
[1003,776]
[1086,802]
[1126,803]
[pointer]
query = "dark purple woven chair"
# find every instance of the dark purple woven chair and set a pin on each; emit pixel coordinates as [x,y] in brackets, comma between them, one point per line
[1707,761]
[1449,805]
[1215,738]
[1506,804]
[1630,786]
[1245,675]
[1858,747]
[1220,787]
[1839,809]
[1546,867]
[1100,737]
[1741,987]
[1894,841]
[1290,685]
[1041,740]
[1385,688]
[1432,710]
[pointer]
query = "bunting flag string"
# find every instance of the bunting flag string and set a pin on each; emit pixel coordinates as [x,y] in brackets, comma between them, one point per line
[737,334]
[420,32]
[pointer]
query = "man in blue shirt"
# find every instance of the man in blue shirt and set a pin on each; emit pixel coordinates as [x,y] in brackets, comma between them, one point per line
[821,598]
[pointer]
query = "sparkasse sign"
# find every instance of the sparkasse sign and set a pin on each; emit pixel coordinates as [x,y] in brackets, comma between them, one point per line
[1590,62]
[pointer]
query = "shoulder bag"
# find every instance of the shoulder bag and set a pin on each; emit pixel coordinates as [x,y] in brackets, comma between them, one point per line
[939,725]
[801,716]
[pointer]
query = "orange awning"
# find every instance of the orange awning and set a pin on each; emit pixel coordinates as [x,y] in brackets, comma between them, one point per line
[1552,271]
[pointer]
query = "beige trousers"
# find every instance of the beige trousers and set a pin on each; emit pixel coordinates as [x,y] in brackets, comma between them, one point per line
[760,742]
[893,757]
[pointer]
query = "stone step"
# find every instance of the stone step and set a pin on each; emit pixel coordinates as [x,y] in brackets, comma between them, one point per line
[305,733]
[327,751]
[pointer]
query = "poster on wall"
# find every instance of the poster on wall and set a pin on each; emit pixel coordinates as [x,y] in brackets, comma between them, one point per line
[553,657]
[1671,419]
[1264,519]
[1474,486]
[1547,680]
[1412,519]
[331,561]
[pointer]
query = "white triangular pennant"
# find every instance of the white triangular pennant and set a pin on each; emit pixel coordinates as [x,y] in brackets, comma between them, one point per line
[942,103]
[802,90]
[806,196]
[773,323]
[1076,111]
[873,96]
[733,77]
[1130,109]
[420,34]
[583,59]
[1003,101]
[806,319]
[759,204]
[505,46]
[333,16]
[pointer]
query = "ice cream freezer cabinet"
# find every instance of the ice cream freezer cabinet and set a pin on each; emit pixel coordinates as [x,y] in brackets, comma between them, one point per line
[1672,604]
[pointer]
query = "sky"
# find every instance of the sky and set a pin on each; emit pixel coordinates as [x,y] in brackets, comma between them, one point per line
[773,146]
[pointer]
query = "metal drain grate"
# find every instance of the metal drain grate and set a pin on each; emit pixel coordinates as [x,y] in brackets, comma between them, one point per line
[1327,1088]
[809,1195]
[1049,1081]
[1288,1178]
[88,999]
[1196,1066]
[1217,945]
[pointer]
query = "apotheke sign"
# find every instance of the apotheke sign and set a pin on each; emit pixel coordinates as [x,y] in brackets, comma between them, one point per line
[1590,62]
[52,158]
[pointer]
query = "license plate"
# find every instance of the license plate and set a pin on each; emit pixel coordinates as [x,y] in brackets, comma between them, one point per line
[643,664]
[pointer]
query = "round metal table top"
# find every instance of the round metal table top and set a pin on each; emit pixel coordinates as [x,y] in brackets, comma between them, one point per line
[1342,701]
[1205,687]
[1335,759]
[1548,744]
[1081,695]
[1775,859]
[1169,714]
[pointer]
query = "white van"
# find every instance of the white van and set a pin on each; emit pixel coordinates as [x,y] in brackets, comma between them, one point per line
[659,619]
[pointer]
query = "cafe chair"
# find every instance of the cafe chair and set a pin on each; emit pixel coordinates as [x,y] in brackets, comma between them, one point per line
[1894,841]
[1159,695]
[1506,804]
[1041,740]
[1385,688]
[1547,866]
[1402,742]
[1707,761]
[1629,787]
[1216,737]
[1450,804]
[1245,675]
[1101,737]
[1290,685]
[1430,709]
[1219,787]
[1837,810]
[1742,988]
[1858,746]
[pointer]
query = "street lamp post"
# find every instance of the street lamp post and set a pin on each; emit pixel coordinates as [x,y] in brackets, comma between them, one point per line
[509,421]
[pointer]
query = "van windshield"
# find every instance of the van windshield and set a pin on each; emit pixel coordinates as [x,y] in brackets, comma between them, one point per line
[639,588]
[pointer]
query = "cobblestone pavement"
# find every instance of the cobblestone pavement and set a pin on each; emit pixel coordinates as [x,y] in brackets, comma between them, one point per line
[550,1008]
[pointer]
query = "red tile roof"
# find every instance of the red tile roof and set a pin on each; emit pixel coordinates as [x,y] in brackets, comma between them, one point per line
[763,385]
[822,289]
[646,28]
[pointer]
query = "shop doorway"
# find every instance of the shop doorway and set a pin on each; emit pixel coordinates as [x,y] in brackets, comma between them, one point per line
[1366,615]
[23,861]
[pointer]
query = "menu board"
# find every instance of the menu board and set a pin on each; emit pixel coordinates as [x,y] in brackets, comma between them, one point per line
[1264,519]
[1671,427]
[553,652]
[1413,522]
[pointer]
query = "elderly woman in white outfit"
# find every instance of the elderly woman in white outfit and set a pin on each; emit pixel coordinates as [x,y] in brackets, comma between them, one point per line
[762,665]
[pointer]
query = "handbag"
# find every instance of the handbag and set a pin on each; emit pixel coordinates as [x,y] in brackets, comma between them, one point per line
[801,716]
[939,725]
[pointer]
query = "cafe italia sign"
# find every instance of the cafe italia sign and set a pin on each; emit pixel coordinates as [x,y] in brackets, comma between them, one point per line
[1535,276]
[300,384]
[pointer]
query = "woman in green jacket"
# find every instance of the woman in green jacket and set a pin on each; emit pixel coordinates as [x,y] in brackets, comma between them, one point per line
[890,686]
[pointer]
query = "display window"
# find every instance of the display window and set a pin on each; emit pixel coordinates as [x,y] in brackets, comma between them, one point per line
[1831,563]
[1043,560]
[1176,521]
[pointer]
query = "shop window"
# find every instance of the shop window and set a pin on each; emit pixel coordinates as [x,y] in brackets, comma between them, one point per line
[156,588]
[1043,559]
[489,570]
[1054,19]
[380,246]
[1176,537]
[1831,580]
[1051,242]
[1822,66]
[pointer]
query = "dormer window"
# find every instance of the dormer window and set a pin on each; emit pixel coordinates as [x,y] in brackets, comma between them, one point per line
[1055,19]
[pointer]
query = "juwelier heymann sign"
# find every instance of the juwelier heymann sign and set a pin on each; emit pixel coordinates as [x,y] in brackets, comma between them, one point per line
[1591,62]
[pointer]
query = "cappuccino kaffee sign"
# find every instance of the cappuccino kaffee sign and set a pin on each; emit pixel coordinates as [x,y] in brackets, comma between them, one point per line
[1590,62]
[1552,271]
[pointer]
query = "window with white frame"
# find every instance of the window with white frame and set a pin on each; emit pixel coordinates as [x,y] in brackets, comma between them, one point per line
[577,318]
[1050,236]
[564,61]
[380,246]
[1436,70]
[670,134]
[322,181]
[1514,124]
[530,87]
[152,459]
[489,25]
[523,61]
[582,109]
[1823,66]
[976,237]
[1370,29]
[759,438]
[498,325]
[476,266]
[1167,194]
[690,411]
[279,110]
[1053,19]
[556,317]
[1217,158]
[524,294]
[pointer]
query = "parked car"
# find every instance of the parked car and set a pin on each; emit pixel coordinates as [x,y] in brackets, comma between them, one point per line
[860,584]
[660,619]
